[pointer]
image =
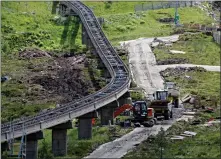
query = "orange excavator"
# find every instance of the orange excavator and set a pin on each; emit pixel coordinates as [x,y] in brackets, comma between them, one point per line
[142,115]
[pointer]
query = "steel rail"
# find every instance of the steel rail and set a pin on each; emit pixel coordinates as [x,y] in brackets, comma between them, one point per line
[119,84]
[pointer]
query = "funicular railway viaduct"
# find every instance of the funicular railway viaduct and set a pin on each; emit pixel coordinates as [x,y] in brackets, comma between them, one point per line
[104,101]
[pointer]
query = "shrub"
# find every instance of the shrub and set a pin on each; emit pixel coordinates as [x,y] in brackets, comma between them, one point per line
[107,5]
[44,151]
[5,47]
[142,22]
[121,28]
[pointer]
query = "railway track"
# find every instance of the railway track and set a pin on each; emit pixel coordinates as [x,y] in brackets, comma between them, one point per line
[118,85]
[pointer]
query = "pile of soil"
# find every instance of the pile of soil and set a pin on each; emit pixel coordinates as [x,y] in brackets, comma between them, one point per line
[180,70]
[33,53]
[166,20]
[121,51]
[64,78]
[172,61]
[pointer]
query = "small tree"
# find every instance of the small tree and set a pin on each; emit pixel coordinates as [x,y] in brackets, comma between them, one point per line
[161,141]
[45,151]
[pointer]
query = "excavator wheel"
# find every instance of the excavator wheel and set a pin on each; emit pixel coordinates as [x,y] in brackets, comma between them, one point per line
[171,114]
[149,123]
[176,103]
[137,124]
[167,115]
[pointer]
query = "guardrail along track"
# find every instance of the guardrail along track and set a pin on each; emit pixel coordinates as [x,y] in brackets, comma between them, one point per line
[118,85]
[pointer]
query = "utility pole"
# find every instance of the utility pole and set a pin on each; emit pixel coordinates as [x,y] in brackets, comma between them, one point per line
[176,19]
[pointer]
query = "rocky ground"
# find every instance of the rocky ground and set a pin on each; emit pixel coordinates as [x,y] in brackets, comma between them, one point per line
[46,79]
[61,78]
[172,61]
[147,75]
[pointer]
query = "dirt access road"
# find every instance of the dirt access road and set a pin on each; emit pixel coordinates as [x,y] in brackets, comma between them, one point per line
[142,64]
[146,75]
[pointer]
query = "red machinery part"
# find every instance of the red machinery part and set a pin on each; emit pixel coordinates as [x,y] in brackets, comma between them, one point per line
[121,109]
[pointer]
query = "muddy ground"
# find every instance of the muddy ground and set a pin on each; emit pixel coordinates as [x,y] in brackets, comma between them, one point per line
[180,70]
[172,61]
[61,78]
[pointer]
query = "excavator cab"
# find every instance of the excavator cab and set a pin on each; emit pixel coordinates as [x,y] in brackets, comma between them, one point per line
[143,115]
[140,109]
[161,95]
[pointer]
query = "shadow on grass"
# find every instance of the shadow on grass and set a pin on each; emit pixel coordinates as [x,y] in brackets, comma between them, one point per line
[74,33]
[65,31]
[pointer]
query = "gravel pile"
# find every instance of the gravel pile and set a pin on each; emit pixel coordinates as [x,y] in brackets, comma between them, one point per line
[33,53]
[180,70]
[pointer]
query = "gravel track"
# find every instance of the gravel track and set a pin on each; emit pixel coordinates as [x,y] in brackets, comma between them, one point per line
[146,74]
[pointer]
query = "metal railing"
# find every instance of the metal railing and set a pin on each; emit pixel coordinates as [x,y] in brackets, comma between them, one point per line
[118,85]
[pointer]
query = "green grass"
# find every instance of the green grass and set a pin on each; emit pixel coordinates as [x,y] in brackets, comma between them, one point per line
[77,148]
[101,8]
[127,26]
[206,144]
[80,148]
[203,83]
[21,28]
[198,48]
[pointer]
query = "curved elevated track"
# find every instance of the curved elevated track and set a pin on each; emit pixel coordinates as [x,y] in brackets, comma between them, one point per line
[119,84]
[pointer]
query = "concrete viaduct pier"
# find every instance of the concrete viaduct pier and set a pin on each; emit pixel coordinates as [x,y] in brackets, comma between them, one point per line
[60,119]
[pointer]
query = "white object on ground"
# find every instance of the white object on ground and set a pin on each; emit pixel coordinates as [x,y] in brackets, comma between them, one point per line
[177,138]
[189,113]
[186,135]
[185,118]
[190,132]
[214,122]
[176,52]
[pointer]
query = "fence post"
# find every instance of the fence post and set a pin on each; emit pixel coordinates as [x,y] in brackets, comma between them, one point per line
[191,3]
[152,6]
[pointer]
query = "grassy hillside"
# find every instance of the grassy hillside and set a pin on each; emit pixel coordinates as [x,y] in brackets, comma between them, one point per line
[31,24]
[124,24]
[206,144]
[199,49]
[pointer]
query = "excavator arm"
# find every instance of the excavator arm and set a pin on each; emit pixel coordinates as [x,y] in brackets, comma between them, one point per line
[121,109]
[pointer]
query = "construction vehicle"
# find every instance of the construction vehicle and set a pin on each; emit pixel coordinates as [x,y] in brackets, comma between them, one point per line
[161,104]
[173,92]
[142,115]
[162,101]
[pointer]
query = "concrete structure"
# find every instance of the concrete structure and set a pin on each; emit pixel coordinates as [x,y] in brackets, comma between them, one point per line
[59,138]
[107,112]
[85,38]
[32,145]
[71,110]
[85,125]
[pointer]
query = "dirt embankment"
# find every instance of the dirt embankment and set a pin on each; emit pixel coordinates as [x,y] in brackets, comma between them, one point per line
[172,61]
[180,70]
[61,78]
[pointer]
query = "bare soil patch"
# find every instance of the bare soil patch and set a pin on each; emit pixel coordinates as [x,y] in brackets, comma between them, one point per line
[172,61]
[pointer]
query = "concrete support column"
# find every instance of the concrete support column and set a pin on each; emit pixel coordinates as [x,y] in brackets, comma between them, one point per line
[85,128]
[59,138]
[4,147]
[32,145]
[85,125]
[84,35]
[32,149]
[107,113]
[59,142]
[85,38]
